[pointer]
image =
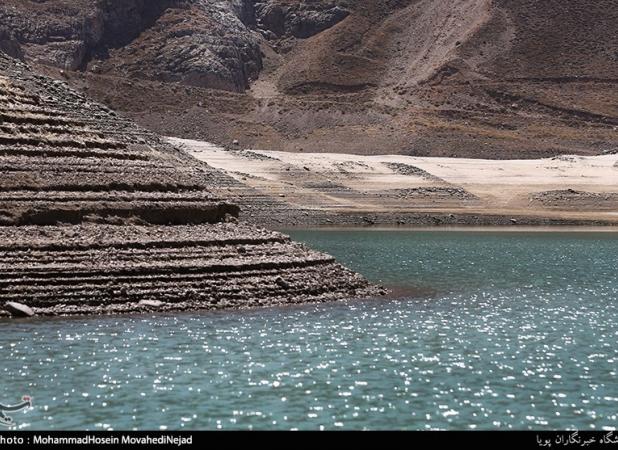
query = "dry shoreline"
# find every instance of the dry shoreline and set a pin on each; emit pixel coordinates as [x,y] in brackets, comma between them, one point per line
[111,269]
[288,190]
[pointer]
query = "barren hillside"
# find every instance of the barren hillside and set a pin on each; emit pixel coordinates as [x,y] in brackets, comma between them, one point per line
[474,78]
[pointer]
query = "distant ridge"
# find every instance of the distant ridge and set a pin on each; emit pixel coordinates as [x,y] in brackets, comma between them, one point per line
[474,78]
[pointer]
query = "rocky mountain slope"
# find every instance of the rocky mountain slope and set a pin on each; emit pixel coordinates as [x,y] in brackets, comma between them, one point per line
[479,78]
[100,216]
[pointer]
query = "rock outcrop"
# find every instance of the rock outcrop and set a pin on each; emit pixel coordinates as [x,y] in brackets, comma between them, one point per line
[98,215]
[199,42]
[206,43]
[202,43]
[297,19]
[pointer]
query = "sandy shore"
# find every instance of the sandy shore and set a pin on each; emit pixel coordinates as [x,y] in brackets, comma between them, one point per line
[575,190]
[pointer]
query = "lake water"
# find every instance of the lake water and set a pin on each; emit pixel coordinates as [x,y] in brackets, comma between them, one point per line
[487,331]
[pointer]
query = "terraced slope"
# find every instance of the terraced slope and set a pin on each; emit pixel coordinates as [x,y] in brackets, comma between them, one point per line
[88,269]
[97,215]
[64,159]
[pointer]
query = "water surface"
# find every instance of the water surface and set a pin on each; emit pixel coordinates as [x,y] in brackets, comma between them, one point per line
[504,330]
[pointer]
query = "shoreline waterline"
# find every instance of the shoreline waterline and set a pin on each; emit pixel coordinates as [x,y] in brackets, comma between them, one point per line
[457,228]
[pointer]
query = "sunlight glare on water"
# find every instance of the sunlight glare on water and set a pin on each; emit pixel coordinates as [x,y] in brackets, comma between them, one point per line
[500,330]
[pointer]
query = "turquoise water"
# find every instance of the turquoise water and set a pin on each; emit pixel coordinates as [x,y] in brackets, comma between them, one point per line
[497,330]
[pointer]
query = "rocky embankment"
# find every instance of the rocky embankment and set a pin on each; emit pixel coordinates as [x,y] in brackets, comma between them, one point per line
[100,216]
[94,269]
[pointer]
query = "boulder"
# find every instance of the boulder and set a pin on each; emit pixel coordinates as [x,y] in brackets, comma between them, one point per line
[18,309]
[150,303]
